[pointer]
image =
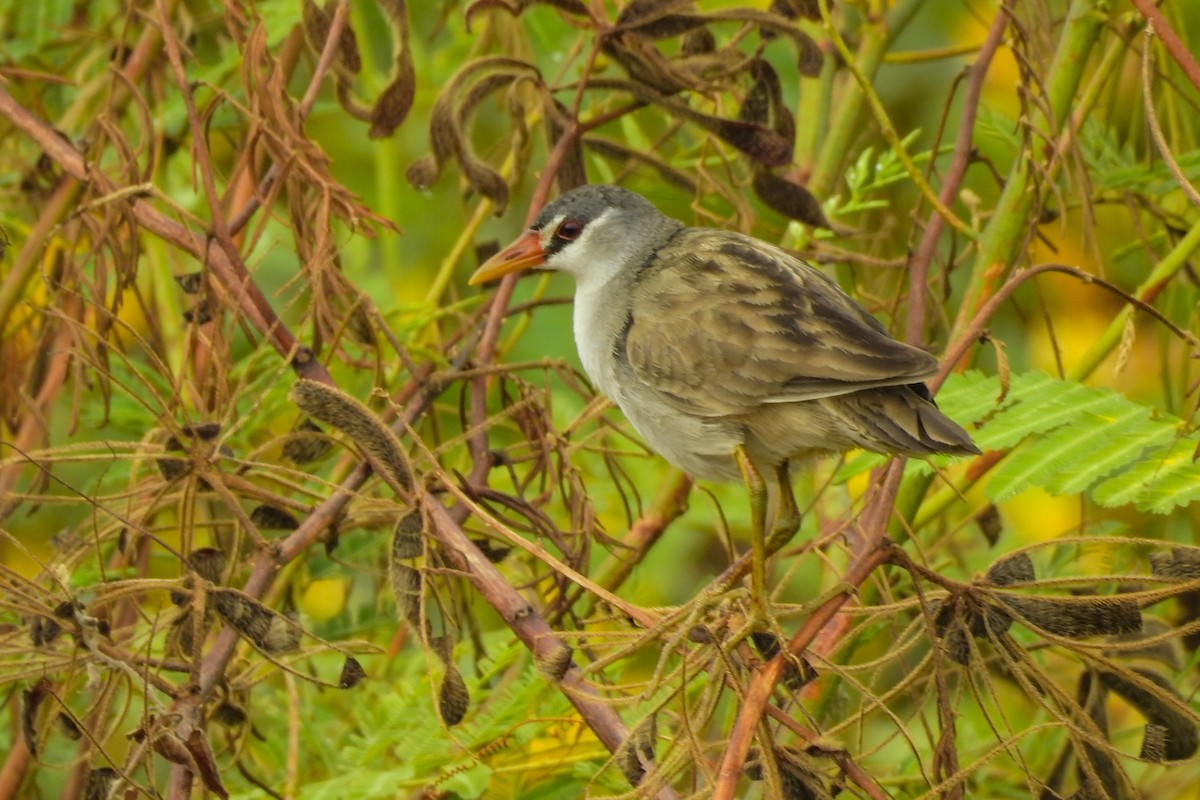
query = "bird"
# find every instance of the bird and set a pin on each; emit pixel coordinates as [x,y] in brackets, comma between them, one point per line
[731,357]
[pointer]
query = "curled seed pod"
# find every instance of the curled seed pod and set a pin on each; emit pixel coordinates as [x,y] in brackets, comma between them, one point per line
[352,673]
[229,714]
[1017,568]
[636,754]
[406,589]
[1181,739]
[1078,618]
[99,783]
[343,412]
[1154,743]
[208,563]
[306,443]
[272,518]
[453,697]
[406,537]
[268,630]
[790,199]
[553,667]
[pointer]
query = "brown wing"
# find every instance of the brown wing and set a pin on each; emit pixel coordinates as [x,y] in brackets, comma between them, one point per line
[722,323]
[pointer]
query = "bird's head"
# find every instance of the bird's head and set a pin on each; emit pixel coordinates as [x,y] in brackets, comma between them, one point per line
[590,232]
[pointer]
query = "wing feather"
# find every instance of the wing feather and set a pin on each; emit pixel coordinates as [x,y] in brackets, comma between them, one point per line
[722,324]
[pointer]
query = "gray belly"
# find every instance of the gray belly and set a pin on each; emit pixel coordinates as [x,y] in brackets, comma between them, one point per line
[699,446]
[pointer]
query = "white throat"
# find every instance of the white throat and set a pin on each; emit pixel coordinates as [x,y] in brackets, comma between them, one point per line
[604,262]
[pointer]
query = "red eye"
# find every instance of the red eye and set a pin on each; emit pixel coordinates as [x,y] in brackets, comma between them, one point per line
[568,230]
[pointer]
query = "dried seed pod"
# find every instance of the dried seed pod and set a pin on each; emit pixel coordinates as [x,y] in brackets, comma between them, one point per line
[181,636]
[31,699]
[636,754]
[790,199]
[492,551]
[1017,568]
[406,589]
[1181,738]
[453,697]
[306,443]
[1154,743]
[43,631]
[69,727]
[229,714]
[951,630]
[1182,563]
[206,762]
[189,282]
[99,783]
[343,412]
[268,630]
[554,666]
[991,525]
[352,673]
[798,783]
[396,101]
[208,563]
[697,41]
[172,468]
[198,314]
[1078,618]
[406,537]
[272,518]
[204,431]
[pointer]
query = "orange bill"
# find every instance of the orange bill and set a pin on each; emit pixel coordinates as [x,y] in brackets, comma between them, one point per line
[526,251]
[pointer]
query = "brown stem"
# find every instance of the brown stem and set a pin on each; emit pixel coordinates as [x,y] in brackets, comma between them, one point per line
[1170,39]
[870,552]
[963,148]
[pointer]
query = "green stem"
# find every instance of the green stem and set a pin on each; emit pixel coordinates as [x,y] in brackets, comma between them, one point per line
[876,39]
[1009,225]
[1149,289]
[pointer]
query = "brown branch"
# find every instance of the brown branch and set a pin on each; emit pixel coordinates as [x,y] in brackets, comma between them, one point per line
[871,551]
[1170,39]
[963,149]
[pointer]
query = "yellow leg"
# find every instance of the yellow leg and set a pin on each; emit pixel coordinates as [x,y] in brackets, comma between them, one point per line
[757,490]
[787,514]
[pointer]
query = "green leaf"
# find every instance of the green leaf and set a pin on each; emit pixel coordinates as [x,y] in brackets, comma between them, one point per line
[1147,479]
[1068,454]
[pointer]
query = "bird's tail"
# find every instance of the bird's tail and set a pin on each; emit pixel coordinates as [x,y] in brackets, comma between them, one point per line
[903,420]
